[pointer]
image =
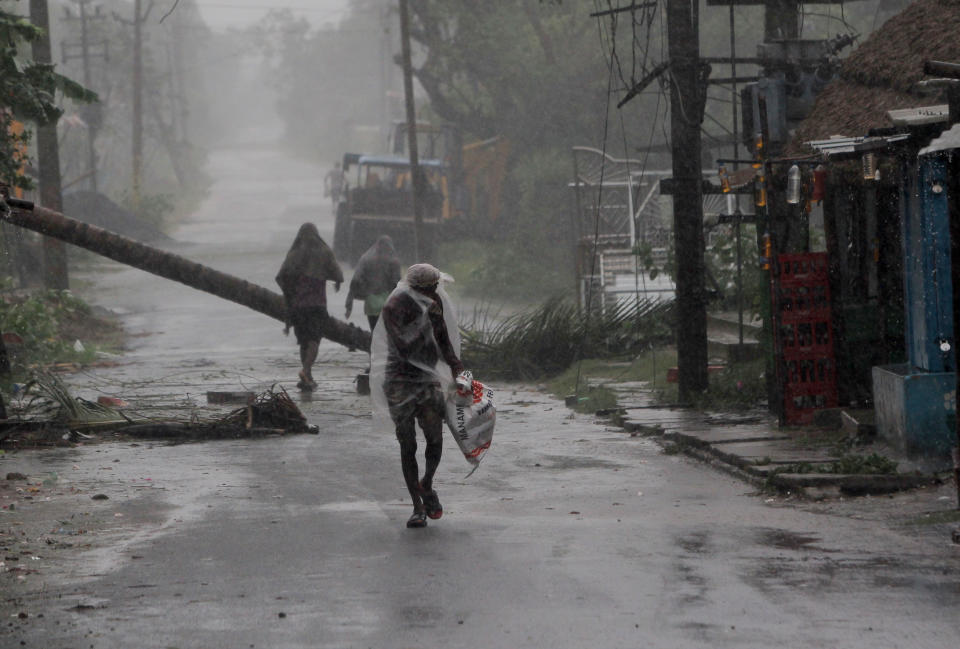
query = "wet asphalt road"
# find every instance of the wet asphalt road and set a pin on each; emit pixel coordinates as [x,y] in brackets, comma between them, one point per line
[571,535]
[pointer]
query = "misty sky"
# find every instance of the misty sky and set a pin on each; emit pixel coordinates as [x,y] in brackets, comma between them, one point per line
[222,14]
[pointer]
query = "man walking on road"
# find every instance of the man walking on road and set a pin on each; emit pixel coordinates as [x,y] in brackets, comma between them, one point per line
[303,277]
[375,276]
[333,183]
[414,359]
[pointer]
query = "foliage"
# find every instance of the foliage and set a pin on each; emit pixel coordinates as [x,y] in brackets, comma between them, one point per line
[588,379]
[551,337]
[28,93]
[177,99]
[152,208]
[739,386]
[47,397]
[593,398]
[526,255]
[721,262]
[848,464]
[529,73]
[720,259]
[13,152]
[500,271]
[39,320]
[534,74]
[644,253]
[648,365]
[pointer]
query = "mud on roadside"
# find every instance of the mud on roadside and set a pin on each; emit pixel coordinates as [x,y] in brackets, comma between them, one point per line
[83,512]
[56,504]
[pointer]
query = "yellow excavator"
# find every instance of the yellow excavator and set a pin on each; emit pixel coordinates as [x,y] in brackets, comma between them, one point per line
[473,173]
[464,186]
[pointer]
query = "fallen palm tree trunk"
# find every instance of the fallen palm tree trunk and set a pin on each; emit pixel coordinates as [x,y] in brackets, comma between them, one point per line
[171,266]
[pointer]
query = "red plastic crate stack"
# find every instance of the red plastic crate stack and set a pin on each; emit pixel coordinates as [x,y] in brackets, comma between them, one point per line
[807,365]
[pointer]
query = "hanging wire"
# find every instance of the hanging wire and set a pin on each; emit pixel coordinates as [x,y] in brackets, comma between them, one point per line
[830,16]
[596,223]
[614,60]
[614,56]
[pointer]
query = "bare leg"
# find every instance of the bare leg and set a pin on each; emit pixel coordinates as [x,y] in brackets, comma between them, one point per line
[372,319]
[407,436]
[431,421]
[308,356]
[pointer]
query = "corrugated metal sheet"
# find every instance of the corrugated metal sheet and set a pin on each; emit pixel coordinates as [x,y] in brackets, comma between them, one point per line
[949,139]
[855,145]
[919,116]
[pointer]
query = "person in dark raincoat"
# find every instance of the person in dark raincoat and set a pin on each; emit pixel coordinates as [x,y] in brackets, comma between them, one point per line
[303,278]
[376,275]
[414,353]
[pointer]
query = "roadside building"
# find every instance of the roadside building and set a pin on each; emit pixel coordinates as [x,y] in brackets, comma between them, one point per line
[879,136]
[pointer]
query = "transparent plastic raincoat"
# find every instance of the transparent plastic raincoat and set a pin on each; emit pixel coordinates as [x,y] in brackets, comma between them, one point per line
[412,358]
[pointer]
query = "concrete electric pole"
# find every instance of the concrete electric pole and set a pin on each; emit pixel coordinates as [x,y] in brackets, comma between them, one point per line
[48,160]
[139,17]
[687,97]
[412,131]
[85,45]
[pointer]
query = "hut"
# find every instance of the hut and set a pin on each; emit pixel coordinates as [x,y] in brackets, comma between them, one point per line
[879,130]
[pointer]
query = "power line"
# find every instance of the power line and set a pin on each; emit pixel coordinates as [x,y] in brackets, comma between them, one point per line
[596,222]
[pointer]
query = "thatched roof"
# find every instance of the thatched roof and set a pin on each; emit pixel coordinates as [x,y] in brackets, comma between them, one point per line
[882,73]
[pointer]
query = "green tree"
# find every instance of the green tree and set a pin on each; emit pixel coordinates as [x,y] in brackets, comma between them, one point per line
[331,83]
[535,73]
[27,93]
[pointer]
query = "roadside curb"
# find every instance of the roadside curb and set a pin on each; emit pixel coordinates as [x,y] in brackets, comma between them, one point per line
[754,449]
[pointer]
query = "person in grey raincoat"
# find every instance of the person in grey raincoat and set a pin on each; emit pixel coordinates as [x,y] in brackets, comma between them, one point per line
[414,359]
[375,276]
[303,278]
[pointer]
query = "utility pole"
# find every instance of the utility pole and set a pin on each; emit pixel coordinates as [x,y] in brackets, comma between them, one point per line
[411,131]
[687,98]
[139,17]
[137,133]
[178,74]
[384,65]
[93,115]
[48,160]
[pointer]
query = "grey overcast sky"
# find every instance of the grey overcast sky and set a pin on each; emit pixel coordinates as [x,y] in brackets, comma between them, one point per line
[223,14]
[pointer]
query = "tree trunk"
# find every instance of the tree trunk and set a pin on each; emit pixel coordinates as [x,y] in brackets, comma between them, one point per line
[171,266]
[48,161]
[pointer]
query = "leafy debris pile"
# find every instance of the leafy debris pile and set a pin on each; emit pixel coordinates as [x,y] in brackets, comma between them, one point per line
[50,416]
[269,409]
[270,413]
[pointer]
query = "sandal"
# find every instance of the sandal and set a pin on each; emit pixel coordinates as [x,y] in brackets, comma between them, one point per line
[431,503]
[306,384]
[417,519]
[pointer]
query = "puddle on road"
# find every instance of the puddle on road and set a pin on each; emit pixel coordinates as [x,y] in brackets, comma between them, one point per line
[420,617]
[574,462]
[695,543]
[928,580]
[352,507]
[785,539]
[150,490]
